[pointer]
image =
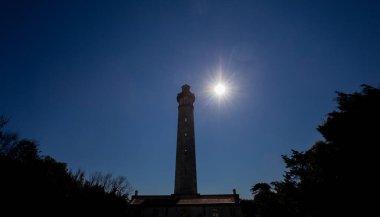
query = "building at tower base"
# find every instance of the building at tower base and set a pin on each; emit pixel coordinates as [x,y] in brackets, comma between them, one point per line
[221,205]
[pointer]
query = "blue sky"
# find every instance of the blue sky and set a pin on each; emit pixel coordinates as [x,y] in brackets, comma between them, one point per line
[95,82]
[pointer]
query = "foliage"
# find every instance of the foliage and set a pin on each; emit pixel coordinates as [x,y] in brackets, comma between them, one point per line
[265,201]
[118,186]
[335,176]
[34,184]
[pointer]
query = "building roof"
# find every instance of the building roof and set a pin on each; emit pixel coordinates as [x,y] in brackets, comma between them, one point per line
[173,200]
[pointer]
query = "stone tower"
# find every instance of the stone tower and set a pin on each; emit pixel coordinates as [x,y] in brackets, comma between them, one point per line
[185,167]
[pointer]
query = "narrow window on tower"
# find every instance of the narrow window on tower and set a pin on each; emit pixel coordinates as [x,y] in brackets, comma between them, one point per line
[185,119]
[185,134]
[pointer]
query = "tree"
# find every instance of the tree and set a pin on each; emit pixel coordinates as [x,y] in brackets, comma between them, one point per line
[24,150]
[7,140]
[336,176]
[331,176]
[261,188]
[265,201]
[114,185]
[34,184]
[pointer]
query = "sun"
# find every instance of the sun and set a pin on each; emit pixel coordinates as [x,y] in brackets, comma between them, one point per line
[220,89]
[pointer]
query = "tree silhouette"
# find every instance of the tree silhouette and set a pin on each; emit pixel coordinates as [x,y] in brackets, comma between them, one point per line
[335,176]
[261,188]
[265,200]
[118,186]
[7,139]
[39,185]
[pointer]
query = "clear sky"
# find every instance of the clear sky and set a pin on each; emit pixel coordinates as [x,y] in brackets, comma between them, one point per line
[95,82]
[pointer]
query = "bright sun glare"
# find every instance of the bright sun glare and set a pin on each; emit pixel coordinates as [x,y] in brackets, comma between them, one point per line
[220,89]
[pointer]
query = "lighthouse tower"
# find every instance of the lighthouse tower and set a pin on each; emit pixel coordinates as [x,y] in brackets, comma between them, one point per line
[186,201]
[185,167]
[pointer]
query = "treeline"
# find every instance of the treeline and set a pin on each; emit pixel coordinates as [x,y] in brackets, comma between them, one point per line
[39,185]
[336,176]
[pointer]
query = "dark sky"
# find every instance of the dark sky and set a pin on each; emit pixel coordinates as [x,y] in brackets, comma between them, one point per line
[95,82]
